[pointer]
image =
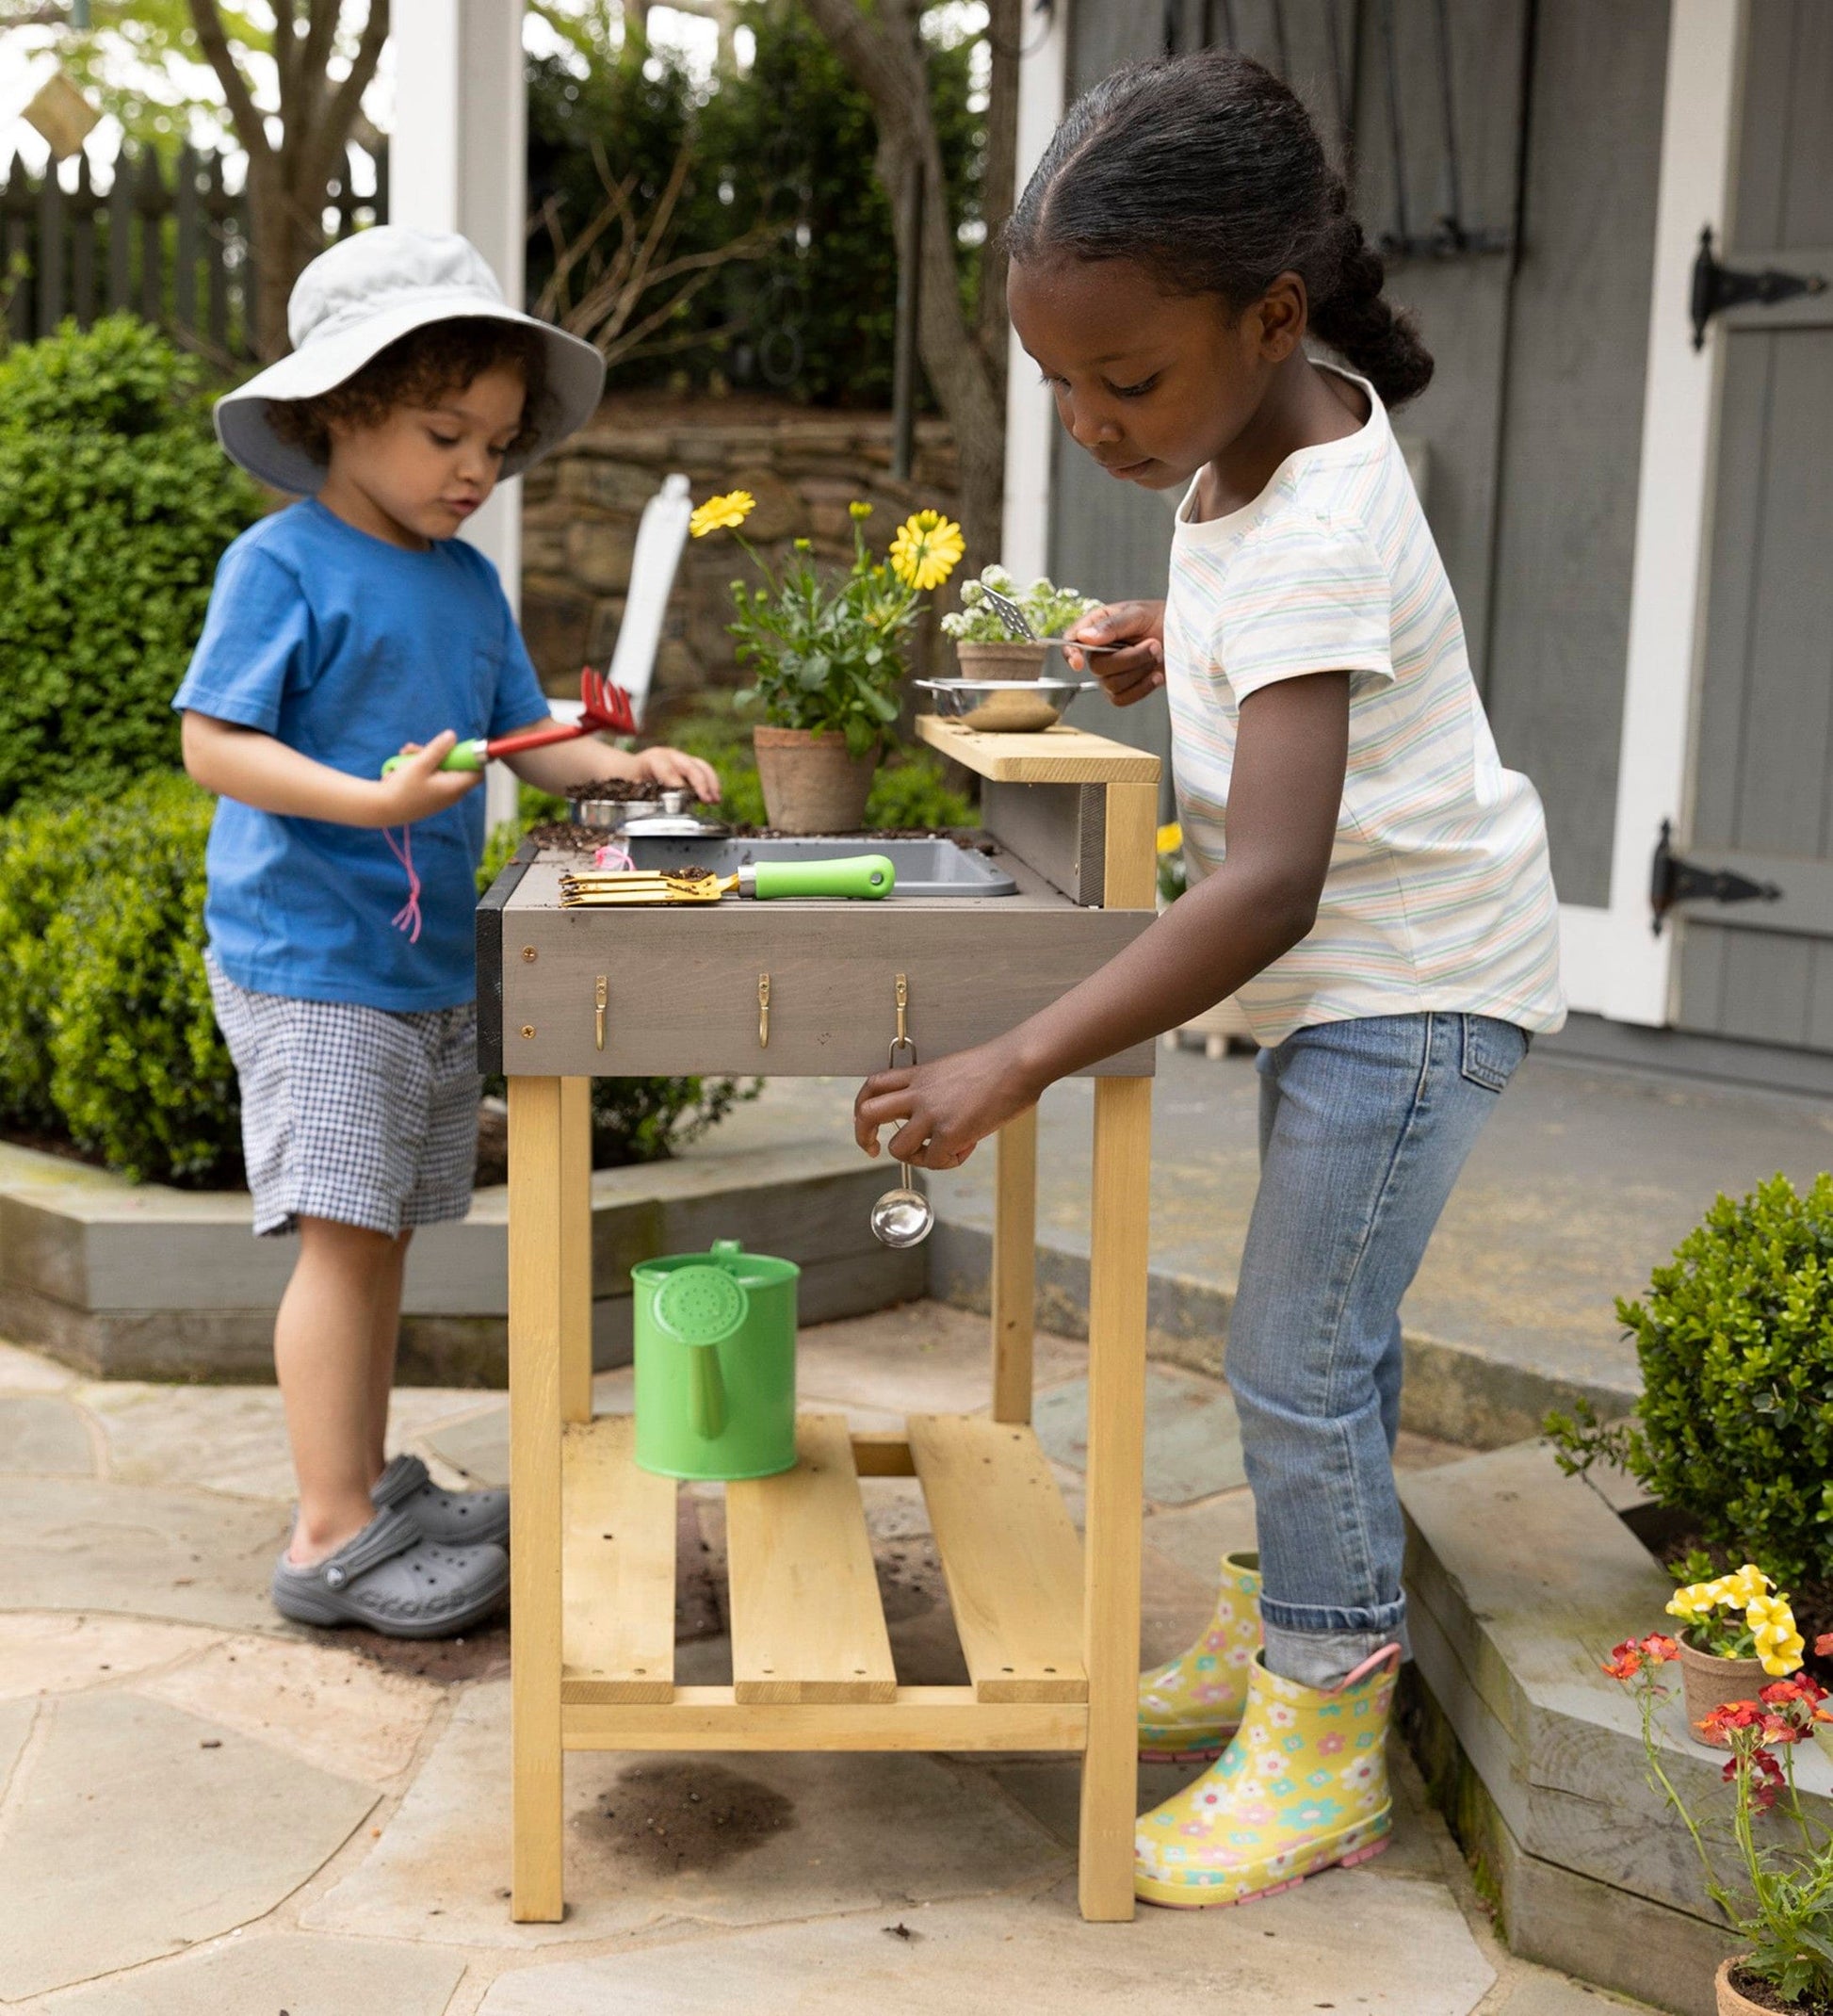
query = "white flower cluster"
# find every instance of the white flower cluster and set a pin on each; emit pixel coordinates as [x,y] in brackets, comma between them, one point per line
[1050,609]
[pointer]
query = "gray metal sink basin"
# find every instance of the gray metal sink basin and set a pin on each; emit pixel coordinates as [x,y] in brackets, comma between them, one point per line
[924,868]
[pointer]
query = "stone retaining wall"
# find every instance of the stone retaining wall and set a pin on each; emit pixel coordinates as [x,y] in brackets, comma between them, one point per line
[580,510]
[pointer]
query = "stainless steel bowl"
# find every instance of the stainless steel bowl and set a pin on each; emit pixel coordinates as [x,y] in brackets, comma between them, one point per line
[1005,706]
[618,813]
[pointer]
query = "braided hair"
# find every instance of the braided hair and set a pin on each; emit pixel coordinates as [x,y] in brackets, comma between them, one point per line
[1207,171]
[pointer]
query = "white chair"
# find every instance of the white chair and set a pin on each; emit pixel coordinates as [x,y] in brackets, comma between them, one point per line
[660,536]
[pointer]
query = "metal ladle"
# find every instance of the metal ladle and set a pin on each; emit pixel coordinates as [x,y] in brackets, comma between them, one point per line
[903,1216]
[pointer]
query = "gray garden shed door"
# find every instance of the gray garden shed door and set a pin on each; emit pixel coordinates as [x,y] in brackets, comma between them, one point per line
[1763,771]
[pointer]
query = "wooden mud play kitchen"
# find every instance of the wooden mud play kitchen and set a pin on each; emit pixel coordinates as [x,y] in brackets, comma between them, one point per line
[1048,1626]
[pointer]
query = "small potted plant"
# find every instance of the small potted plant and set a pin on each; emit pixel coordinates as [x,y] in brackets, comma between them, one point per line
[826,659]
[1734,1629]
[1782,1910]
[986,649]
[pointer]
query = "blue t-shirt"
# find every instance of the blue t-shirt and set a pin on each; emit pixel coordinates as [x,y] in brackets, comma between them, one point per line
[345,647]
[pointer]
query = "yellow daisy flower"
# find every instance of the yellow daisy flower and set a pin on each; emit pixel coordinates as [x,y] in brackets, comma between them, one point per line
[1170,838]
[732,509]
[927,549]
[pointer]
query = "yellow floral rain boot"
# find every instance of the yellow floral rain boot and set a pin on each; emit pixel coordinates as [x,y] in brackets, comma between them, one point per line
[1303,1786]
[1189,1708]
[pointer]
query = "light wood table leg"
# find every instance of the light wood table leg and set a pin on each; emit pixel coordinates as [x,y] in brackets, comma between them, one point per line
[1014,1267]
[537,1326]
[575,1249]
[1116,1464]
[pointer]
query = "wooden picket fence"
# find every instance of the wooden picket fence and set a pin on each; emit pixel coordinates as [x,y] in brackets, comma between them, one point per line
[169,245]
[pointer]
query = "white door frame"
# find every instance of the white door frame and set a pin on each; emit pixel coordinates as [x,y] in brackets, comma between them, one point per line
[1614,963]
[458,162]
[1030,411]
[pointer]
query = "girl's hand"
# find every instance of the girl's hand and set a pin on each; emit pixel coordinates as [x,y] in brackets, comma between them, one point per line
[1126,676]
[419,787]
[945,1108]
[677,771]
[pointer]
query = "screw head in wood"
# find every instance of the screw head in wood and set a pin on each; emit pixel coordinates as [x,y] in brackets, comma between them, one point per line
[529,953]
[527,1029]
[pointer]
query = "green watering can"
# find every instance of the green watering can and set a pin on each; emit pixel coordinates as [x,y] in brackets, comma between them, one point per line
[716,1363]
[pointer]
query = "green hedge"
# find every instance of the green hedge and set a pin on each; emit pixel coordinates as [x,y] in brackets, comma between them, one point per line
[105,1027]
[116,504]
[1735,1343]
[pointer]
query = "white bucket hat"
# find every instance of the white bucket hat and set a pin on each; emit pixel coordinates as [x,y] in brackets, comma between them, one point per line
[353,302]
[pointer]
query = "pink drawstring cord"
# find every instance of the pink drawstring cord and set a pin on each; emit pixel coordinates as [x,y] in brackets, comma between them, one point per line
[407,917]
[613,858]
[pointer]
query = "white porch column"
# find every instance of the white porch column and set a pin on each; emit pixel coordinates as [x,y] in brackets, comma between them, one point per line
[1031,413]
[458,161]
[1615,962]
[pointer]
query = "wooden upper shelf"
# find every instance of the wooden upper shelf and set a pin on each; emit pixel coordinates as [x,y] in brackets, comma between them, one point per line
[1056,755]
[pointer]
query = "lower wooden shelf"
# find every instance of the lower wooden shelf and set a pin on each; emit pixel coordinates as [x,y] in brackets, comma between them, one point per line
[811,1656]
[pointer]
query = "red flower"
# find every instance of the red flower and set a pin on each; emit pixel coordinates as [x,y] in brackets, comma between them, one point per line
[1824,1646]
[1728,1715]
[1625,1661]
[1778,1729]
[1797,1687]
[1658,1649]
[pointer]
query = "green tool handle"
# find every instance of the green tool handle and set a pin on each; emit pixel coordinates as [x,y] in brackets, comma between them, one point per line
[461,755]
[864,875]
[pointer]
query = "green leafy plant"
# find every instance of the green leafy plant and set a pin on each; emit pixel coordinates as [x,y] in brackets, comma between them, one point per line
[114,506]
[826,654]
[106,1032]
[648,1119]
[1047,609]
[1780,1903]
[1735,1344]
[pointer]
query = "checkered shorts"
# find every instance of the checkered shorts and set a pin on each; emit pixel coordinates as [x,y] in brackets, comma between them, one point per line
[357,1115]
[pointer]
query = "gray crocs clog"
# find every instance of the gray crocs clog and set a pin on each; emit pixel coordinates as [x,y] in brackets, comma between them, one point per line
[395,1581]
[456,1519]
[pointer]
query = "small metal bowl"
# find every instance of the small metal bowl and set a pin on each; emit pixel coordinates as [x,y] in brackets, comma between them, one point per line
[1005,706]
[619,812]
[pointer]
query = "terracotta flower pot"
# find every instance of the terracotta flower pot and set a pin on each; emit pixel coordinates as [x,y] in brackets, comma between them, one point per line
[1707,1682]
[1014,661]
[811,784]
[1731,2000]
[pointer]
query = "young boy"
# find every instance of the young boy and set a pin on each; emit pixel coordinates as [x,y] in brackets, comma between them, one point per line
[342,630]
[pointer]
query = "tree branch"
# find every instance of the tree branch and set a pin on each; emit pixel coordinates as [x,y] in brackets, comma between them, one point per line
[244,115]
[323,146]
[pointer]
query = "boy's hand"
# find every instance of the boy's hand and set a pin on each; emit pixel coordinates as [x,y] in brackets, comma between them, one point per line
[675,770]
[419,787]
[1126,676]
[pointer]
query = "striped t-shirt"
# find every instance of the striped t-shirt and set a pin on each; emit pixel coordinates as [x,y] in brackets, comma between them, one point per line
[1439,895]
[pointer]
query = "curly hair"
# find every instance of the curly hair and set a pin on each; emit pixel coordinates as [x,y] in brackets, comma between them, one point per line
[419,369]
[1208,170]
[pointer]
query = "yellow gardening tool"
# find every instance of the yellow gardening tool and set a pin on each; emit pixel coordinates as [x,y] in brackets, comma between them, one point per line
[866,876]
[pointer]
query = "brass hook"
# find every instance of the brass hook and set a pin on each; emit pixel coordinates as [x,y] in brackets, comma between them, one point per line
[601,996]
[763,1011]
[901,1040]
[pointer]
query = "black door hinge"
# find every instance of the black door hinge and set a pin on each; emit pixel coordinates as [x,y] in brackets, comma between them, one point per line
[1716,287]
[1673,881]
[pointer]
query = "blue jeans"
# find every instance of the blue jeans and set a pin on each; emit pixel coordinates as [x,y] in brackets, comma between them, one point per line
[1364,1126]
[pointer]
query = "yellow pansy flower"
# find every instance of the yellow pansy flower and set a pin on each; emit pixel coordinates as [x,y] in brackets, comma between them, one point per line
[732,509]
[927,549]
[1698,1598]
[1747,1583]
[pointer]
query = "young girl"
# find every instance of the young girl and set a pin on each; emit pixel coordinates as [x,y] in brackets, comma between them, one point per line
[1374,887]
[342,630]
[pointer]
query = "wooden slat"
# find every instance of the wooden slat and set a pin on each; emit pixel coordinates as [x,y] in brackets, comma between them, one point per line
[534,1326]
[1119,1213]
[1131,849]
[1010,1556]
[881,1453]
[1055,828]
[618,1603]
[1057,755]
[575,1249]
[1014,1266]
[915,1719]
[807,1621]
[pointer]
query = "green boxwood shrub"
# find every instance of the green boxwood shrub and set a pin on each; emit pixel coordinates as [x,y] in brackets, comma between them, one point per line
[107,1032]
[1735,1343]
[116,504]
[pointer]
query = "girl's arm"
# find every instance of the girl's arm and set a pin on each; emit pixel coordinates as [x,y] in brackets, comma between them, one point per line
[589,761]
[257,770]
[1284,799]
